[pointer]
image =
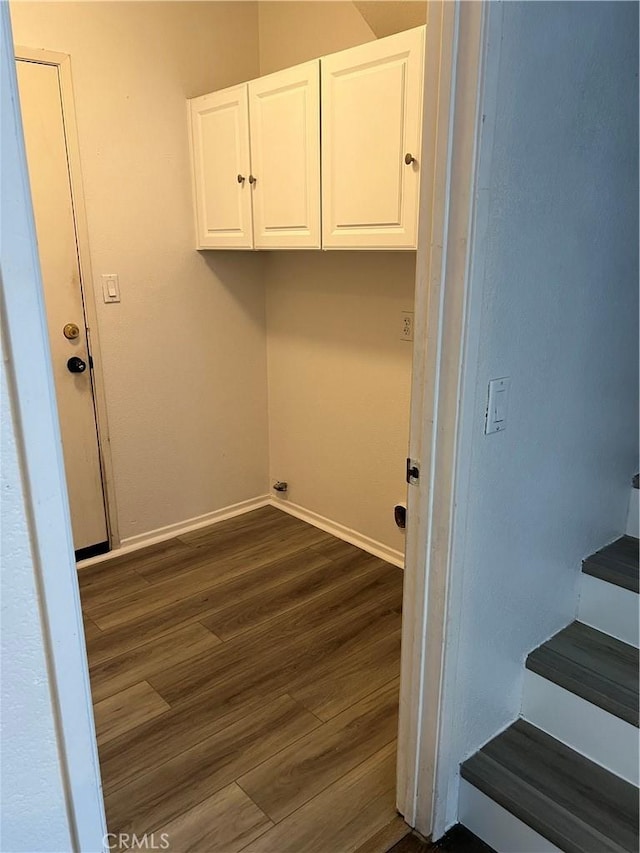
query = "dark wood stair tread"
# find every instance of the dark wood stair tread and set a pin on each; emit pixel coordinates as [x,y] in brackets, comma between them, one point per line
[617,563]
[574,803]
[593,665]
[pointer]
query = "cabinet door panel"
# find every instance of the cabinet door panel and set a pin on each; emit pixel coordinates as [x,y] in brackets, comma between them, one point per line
[284,111]
[220,151]
[371,118]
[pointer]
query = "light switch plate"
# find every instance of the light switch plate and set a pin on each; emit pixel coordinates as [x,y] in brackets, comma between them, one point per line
[110,288]
[497,405]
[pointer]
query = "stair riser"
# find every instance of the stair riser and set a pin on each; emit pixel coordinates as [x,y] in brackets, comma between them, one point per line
[609,608]
[496,826]
[602,737]
[633,523]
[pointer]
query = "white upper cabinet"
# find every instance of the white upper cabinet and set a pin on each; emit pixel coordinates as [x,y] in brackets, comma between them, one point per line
[219,126]
[258,148]
[284,118]
[371,126]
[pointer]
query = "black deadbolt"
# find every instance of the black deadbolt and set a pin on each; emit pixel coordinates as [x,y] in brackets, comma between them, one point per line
[76,365]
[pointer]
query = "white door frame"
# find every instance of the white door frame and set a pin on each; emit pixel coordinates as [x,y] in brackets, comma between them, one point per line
[443,322]
[26,347]
[62,62]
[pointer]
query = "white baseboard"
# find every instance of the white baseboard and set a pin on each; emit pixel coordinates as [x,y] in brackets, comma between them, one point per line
[161,534]
[371,546]
[633,518]
[609,608]
[169,531]
[496,826]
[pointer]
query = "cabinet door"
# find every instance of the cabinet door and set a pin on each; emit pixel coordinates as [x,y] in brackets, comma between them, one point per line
[284,110]
[221,167]
[371,120]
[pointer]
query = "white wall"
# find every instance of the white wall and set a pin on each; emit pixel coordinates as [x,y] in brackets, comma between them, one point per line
[555,277]
[32,802]
[184,353]
[45,699]
[339,375]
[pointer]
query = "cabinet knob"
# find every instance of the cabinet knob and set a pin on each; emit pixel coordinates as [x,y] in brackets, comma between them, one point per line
[241,179]
[252,179]
[409,159]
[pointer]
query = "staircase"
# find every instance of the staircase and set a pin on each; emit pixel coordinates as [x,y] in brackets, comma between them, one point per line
[565,776]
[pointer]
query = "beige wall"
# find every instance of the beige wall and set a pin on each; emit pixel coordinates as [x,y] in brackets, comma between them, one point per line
[184,353]
[339,384]
[339,375]
[386,17]
[292,32]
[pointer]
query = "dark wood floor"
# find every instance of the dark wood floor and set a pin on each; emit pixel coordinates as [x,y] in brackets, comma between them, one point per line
[245,684]
[457,840]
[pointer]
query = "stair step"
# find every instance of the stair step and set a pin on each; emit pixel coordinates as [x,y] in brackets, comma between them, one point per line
[617,563]
[599,736]
[592,665]
[574,803]
[610,609]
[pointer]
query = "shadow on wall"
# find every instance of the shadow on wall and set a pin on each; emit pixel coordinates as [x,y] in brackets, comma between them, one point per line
[241,274]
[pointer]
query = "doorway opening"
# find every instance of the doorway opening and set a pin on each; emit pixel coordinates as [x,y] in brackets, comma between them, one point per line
[144,593]
[265,629]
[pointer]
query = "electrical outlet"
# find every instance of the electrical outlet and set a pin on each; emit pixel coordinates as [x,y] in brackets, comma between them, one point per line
[406,330]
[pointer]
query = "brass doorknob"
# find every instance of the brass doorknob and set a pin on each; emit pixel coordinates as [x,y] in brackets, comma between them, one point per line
[409,159]
[71,331]
[252,179]
[241,179]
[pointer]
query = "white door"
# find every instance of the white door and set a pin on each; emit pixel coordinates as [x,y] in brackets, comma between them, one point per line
[371,125]
[284,117]
[44,133]
[222,169]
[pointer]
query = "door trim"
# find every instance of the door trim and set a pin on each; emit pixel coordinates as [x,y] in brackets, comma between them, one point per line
[30,375]
[443,323]
[63,63]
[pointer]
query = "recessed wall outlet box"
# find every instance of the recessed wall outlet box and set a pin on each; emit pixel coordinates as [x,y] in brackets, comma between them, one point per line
[406,329]
[110,288]
[497,405]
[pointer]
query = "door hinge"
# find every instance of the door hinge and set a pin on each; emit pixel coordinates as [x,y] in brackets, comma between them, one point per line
[413,472]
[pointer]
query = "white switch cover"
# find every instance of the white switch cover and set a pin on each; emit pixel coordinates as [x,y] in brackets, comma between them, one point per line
[406,331]
[497,405]
[110,288]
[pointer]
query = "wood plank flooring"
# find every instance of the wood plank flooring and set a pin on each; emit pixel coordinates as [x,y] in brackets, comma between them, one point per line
[245,683]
